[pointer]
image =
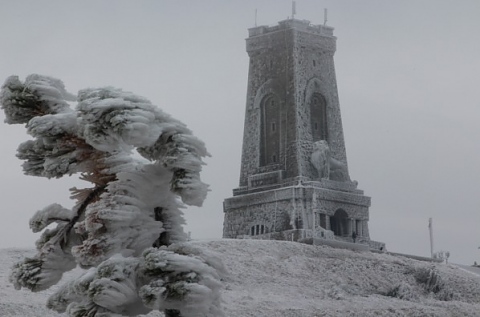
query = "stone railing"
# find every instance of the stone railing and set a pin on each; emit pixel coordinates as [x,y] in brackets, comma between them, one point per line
[320,233]
[335,185]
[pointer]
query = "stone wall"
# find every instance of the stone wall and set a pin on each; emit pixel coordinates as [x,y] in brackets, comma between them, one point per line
[274,216]
[270,74]
[291,207]
[315,74]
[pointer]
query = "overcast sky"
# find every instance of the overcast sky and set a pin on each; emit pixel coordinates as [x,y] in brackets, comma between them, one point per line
[408,74]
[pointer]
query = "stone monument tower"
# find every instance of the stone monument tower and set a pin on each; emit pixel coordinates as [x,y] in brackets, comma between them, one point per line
[294,180]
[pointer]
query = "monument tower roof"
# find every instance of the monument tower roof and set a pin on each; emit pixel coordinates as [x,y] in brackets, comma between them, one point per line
[301,25]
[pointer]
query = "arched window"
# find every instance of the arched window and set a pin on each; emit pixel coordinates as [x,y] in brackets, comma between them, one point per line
[270,131]
[318,117]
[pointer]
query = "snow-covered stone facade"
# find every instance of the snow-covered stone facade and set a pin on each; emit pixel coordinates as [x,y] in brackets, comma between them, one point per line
[294,173]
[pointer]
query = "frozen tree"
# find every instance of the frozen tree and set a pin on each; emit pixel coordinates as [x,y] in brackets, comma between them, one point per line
[126,229]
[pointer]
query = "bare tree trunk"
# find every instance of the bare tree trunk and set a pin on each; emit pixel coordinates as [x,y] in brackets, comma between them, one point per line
[164,239]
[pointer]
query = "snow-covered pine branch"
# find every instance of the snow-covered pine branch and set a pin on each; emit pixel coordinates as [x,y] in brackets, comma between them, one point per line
[134,203]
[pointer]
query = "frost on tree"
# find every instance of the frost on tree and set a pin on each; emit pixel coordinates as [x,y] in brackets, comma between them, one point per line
[126,229]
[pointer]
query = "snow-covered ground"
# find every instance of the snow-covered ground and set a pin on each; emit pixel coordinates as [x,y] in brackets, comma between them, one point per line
[287,279]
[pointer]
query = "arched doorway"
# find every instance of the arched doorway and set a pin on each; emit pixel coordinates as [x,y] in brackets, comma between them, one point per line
[339,223]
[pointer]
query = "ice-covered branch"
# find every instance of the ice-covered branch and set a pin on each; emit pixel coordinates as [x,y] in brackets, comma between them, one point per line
[177,278]
[182,279]
[43,270]
[51,213]
[54,256]
[182,154]
[37,96]
[41,103]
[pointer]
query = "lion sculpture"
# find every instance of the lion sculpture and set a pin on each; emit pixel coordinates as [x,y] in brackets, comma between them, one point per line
[327,166]
[320,159]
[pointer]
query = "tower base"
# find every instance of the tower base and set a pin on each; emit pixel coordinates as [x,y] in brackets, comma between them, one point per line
[300,209]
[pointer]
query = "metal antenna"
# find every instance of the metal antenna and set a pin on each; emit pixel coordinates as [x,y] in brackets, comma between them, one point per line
[294,9]
[325,11]
[255,17]
[430,227]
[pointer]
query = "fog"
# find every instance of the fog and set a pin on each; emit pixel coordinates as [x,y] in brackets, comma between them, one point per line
[408,74]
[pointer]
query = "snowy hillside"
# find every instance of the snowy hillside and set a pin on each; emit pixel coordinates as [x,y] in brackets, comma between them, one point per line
[286,279]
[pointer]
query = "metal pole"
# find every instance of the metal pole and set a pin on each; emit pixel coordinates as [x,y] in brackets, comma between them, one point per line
[430,227]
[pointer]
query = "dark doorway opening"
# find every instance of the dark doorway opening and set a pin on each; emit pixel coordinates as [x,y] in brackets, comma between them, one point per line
[339,223]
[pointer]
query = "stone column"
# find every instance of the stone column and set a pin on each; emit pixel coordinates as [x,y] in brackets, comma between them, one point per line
[349,227]
[365,229]
[360,228]
[327,222]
